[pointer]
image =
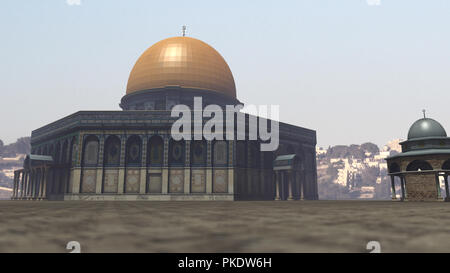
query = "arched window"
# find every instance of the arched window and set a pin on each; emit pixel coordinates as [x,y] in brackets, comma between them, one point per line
[419,165]
[198,153]
[220,153]
[155,151]
[90,150]
[446,165]
[394,168]
[112,151]
[176,153]
[133,152]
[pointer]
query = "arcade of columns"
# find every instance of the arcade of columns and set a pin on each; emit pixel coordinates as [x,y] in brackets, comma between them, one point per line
[30,189]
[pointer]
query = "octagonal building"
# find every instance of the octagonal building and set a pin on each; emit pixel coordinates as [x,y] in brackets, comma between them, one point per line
[131,154]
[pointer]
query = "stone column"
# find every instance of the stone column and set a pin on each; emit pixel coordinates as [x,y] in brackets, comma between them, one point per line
[438,186]
[187,167]
[402,180]
[300,185]
[44,183]
[165,169]
[208,168]
[290,177]
[22,180]
[32,183]
[41,184]
[121,182]
[143,175]
[13,196]
[447,192]
[394,195]
[277,184]
[99,179]
[231,167]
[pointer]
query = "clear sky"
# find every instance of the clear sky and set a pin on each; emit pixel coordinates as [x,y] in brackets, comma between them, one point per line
[354,70]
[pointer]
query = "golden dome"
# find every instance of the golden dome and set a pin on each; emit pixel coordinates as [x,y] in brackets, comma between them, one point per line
[184,62]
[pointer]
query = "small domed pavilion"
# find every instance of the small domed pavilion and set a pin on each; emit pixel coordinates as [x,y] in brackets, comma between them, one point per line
[425,157]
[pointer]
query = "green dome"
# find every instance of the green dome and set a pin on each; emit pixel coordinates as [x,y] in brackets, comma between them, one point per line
[426,127]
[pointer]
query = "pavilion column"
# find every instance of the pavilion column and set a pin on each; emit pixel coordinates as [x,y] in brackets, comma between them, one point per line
[24,185]
[31,186]
[277,184]
[13,196]
[300,186]
[394,195]
[22,181]
[402,179]
[41,184]
[143,171]
[290,177]
[447,193]
[165,170]
[30,183]
[44,183]
[438,186]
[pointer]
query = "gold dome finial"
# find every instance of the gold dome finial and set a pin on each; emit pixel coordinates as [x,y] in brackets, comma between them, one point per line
[184,30]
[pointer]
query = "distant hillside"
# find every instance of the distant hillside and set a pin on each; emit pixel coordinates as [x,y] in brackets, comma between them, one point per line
[11,158]
[354,171]
[21,146]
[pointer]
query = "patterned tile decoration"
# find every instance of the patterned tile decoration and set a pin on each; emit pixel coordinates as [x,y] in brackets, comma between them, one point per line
[220,152]
[176,181]
[154,183]
[132,181]
[198,178]
[421,187]
[220,181]
[88,181]
[91,152]
[110,181]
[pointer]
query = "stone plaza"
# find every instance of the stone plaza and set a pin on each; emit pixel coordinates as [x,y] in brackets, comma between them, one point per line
[246,226]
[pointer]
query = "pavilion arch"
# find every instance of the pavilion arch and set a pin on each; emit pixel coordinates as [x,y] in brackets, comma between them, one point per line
[419,165]
[198,152]
[112,151]
[90,150]
[446,165]
[133,151]
[176,152]
[394,168]
[155,151]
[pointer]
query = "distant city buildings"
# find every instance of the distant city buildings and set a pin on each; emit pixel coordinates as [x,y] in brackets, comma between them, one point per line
[359,175]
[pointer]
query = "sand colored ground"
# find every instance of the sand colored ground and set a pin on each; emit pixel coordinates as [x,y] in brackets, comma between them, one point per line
[273,226]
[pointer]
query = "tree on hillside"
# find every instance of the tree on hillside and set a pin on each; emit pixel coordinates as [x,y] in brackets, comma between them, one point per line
[370,148]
